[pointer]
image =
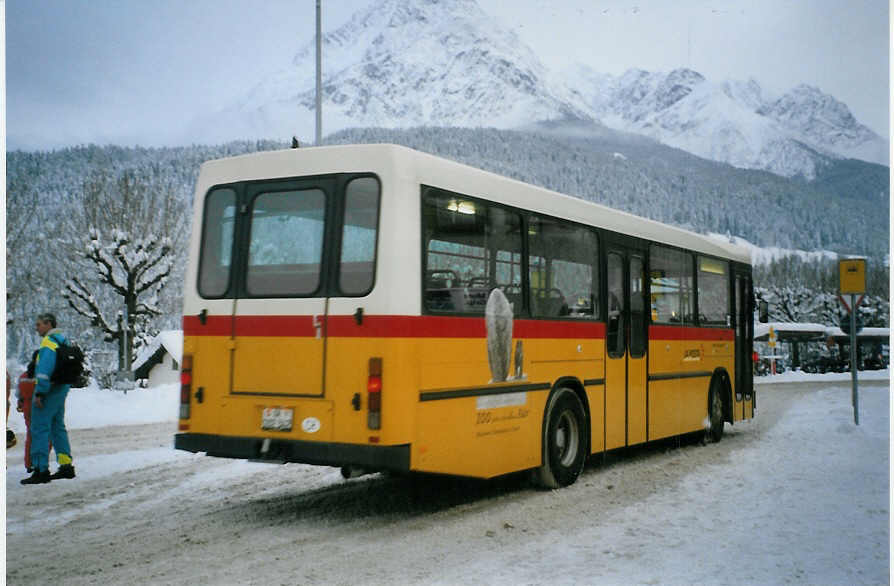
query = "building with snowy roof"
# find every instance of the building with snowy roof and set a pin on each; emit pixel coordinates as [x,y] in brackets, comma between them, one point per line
[798,345]
[159,362]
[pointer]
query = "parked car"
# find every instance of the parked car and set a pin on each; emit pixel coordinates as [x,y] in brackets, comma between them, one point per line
[875,361]
[823,364]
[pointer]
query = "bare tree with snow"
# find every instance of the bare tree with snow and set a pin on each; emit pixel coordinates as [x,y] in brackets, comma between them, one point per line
[136,270]
[133,224]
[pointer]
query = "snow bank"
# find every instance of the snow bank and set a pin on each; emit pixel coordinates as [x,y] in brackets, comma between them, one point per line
[95,407]
[804,377]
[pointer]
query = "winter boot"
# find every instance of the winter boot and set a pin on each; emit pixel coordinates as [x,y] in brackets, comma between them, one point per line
[39,477]
[64,471]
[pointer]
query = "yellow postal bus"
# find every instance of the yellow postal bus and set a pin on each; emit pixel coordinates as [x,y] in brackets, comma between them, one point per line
[377,308]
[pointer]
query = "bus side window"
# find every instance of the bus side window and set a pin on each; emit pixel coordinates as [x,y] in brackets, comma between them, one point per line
[713,292]
[671,286]
[563,271]
[470,246]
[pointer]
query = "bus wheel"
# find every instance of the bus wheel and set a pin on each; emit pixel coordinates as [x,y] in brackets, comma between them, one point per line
[564,440]
[715,414]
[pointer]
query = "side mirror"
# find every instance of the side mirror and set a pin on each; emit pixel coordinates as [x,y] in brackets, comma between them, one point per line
[763,312]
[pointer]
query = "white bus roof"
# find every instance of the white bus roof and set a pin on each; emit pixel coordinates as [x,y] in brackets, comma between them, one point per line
[466,180]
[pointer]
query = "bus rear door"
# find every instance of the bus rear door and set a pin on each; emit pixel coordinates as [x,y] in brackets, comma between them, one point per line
[279,341]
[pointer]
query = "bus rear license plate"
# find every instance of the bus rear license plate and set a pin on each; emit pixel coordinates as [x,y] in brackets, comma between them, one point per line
[277,419]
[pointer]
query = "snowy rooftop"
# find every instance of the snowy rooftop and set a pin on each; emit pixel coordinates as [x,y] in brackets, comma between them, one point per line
[796,330]
[802,330]
[170,340]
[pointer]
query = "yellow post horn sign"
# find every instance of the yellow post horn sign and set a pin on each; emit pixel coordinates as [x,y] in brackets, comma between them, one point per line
[852,276]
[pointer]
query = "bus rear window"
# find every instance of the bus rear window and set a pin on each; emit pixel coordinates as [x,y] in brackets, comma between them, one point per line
[217,243]
[285,248]
[358,241]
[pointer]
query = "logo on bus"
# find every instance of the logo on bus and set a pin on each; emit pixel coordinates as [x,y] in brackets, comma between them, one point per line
[310,425]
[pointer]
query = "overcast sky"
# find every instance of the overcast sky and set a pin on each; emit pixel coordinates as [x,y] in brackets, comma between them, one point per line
[135,71]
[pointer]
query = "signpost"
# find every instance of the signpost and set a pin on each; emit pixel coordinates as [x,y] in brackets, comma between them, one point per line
[852,281]
[772,339]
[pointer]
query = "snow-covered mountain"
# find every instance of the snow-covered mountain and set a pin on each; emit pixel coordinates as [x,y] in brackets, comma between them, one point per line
[732,121]
[822,120]
[403,63]
[408,63]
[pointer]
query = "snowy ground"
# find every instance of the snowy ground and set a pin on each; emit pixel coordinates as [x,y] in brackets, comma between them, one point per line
[799,495]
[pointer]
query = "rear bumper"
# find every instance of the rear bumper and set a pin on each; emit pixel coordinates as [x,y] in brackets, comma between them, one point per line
[283,450]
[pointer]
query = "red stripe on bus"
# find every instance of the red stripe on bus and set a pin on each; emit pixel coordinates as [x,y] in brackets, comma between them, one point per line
[215,325]
[455,327]
[405,326]
[385,326]
[531,328]
[689,333]
[301,326]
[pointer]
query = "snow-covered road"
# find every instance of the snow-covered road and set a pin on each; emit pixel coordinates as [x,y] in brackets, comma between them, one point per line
[799,495]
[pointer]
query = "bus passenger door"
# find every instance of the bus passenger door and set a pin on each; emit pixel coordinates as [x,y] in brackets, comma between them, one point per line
[626,343]
[744,332]
[637,368]
[280,314]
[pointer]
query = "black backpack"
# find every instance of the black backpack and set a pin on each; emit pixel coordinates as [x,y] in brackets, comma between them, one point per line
[69,369]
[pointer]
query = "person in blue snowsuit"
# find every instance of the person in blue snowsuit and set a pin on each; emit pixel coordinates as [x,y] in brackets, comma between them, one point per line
[48,409]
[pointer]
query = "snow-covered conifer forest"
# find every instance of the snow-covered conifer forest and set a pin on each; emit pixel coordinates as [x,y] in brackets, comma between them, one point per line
[94,230]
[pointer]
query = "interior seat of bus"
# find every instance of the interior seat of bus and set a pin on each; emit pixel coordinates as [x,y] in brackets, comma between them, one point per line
[550,302]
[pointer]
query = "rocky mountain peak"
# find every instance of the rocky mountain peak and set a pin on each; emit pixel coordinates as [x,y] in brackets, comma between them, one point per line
[807,105]
[747,92]
[418,62]
[403,63]
[678,84]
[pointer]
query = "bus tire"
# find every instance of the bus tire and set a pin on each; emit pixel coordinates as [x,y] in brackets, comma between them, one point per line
[564,440]
[714,431]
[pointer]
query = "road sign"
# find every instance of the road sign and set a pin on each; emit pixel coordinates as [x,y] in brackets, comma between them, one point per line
[852,276]
[852,281]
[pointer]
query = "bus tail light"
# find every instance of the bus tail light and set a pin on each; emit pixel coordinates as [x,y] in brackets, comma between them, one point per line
[185,385]
[374,394]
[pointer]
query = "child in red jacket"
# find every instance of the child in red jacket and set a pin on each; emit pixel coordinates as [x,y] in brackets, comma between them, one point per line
[25,393]
[10,435]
